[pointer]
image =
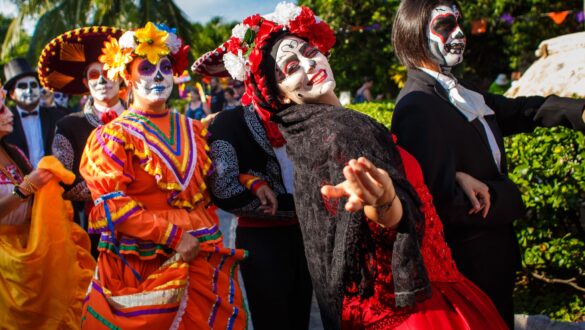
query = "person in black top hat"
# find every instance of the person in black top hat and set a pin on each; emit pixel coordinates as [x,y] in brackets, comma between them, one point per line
[34,126]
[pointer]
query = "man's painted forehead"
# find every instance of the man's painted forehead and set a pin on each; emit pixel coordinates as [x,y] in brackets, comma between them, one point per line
[443,9]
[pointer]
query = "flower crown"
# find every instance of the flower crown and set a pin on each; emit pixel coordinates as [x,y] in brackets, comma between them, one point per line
[241,54]
[151,42]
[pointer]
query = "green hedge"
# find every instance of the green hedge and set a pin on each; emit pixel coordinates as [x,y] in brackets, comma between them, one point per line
[548,167]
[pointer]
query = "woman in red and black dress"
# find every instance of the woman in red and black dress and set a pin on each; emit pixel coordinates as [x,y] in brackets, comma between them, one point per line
[379,260]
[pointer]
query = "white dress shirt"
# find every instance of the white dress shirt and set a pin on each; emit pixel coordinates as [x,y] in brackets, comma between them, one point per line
[286,169]
[34,135]
[471,104]
[118,108]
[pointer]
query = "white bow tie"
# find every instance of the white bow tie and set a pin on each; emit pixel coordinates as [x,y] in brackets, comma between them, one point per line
[472,105]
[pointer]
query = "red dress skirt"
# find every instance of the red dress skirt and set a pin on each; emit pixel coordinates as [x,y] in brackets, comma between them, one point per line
[456,303]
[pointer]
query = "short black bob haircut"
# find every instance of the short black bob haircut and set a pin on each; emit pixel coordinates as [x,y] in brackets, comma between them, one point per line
[409,31]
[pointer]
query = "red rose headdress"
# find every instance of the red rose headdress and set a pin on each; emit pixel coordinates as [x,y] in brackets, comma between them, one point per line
[240,56]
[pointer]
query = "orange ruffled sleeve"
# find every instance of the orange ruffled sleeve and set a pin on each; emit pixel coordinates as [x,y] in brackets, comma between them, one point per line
[106,166]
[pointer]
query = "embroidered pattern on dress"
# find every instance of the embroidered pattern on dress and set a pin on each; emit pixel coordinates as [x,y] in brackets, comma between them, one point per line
[257,130]
[79,192]
[63,150]
[12,169]
[225,161]
[273,170]
[180,157]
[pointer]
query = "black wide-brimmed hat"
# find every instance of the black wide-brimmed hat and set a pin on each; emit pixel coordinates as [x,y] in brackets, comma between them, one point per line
[15,69]
[64,60]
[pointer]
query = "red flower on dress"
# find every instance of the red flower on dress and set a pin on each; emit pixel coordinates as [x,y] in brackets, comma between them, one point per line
[108,116]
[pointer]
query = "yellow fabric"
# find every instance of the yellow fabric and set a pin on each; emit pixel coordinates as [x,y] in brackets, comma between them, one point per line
[45,266]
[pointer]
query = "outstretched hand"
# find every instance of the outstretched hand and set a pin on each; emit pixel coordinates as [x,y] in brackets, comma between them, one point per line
[367,187]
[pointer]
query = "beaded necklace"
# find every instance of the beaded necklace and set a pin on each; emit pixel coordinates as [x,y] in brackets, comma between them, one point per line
[143,116]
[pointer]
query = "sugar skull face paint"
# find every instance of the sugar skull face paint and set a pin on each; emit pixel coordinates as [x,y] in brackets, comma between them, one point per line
[302,72]
[27,91]
[446,39]
[61,99]
[100,87]
[153,82]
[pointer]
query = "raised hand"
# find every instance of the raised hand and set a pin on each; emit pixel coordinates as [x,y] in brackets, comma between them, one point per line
[370,188]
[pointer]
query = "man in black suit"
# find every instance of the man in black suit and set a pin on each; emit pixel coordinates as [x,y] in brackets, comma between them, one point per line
[456,133]
[34,126]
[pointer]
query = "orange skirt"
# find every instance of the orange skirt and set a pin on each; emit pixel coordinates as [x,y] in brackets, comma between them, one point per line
[173,294]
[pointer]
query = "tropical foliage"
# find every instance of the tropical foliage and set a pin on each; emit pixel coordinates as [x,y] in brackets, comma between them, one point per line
[58,16]
[363,30]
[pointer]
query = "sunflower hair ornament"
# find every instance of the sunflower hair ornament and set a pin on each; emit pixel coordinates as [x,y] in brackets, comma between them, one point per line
[151,43]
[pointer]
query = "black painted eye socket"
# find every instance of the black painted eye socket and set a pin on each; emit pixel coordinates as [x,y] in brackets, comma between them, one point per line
[443,26]
[25,85]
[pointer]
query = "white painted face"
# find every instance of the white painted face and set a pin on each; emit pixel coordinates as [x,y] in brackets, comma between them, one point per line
[302,72]
[446,39]
[100,87]
[153,82]
[27,91]
[47,98]
[63,99]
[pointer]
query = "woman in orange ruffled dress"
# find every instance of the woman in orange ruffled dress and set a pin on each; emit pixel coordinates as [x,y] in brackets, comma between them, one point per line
[162,263]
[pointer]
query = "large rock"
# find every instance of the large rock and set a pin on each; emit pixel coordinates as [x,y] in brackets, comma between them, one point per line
[560,69]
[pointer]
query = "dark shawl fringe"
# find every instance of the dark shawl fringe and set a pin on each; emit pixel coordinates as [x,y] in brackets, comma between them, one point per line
[321,139]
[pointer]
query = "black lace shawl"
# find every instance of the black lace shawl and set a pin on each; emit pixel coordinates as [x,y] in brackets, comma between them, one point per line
[321,139]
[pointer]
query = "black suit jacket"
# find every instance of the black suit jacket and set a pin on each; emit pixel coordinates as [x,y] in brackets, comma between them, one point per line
[443,141]
[49,118]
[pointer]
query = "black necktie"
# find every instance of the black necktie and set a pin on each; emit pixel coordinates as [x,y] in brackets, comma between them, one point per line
[26,114]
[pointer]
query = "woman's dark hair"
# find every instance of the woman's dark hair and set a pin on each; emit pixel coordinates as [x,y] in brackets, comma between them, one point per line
[267,71]
[409,31]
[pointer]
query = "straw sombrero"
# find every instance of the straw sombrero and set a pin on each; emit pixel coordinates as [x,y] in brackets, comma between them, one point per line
[63,61]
